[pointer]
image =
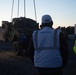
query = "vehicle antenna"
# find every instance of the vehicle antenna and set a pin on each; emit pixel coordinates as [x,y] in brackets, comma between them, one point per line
[18,9]
[24,8]
[12,9]
[35,10]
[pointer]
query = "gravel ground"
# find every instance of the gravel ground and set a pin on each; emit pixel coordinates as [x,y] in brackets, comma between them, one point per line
[10,64]
[16,66]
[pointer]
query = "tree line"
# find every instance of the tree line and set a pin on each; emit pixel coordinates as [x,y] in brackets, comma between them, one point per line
[68,30]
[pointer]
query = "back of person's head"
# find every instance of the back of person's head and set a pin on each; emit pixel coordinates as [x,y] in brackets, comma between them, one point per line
[47,21]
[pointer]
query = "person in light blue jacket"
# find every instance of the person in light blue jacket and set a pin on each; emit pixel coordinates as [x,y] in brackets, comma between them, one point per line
[48,48]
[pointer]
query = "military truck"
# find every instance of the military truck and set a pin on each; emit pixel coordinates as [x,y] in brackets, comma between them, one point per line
[13,30]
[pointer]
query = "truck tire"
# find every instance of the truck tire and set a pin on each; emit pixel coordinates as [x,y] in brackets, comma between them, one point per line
[17,49]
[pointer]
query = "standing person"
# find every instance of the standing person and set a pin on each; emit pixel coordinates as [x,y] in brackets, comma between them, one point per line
[74,47]
[23,44]
[48,48]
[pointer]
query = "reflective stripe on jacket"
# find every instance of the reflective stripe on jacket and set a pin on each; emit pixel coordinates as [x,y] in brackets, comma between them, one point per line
[47,45]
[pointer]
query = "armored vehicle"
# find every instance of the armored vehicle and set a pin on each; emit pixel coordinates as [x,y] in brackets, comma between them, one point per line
[13,31]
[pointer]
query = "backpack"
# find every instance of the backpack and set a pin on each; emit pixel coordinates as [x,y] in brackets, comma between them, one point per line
[23,38]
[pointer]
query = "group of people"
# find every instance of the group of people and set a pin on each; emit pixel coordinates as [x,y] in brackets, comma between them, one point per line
[48,48]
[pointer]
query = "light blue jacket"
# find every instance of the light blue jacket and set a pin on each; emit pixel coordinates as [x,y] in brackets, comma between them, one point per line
[47,45]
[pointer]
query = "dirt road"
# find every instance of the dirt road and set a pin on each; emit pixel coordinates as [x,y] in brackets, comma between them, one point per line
[10,64]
